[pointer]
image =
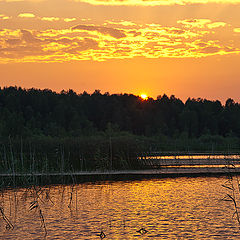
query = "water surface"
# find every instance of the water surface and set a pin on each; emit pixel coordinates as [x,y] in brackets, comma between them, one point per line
[169,208]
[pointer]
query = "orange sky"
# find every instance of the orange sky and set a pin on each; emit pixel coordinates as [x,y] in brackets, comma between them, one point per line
[187,48]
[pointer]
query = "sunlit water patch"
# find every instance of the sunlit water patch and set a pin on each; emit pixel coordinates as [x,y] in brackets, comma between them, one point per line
[177,208]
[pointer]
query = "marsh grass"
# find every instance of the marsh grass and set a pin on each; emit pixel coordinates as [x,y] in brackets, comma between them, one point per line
[49,155]
[71,197]
[233,186]
[35,204]
[9,225]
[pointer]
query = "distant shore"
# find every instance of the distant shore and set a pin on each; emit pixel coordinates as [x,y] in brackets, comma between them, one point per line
[159,172]
[28,179]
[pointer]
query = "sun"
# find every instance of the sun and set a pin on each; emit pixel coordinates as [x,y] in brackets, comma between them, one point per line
[144,96]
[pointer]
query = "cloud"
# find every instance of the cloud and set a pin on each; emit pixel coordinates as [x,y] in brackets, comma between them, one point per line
[28,37]
[195,23]
[236,30]
[13,41]
[18,53]
[4,17]
[83,45]
[216,25]
[122,22]
[230,49]
[26,15]
[140,2]
[64,40]
[69,19]
[21,0]
[201,24]
[50,19]
[189,38]
[135,33]
[103,30]
[210,49]
[154,2]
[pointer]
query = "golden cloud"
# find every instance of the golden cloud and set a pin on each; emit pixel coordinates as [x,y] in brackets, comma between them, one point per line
[237,30]
[195,23]
[140,2]
[216,25]
[122,22]
[116,33]
[50,19]
[26,15]
[187,39]
[4,17]
[69,19]
[154,2]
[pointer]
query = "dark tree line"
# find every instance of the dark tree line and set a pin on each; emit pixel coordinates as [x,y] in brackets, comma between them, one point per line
[44,112]
[41,130]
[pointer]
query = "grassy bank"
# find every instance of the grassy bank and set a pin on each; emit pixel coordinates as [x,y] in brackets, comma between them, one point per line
[117,151]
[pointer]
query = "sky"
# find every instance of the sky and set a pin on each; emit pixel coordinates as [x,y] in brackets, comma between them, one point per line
[186,48]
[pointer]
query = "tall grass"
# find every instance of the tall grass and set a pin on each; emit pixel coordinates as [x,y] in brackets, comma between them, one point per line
[47,154]
[104,151]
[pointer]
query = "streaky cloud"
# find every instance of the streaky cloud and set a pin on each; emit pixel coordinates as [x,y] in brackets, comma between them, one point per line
[189,38]
[50,19]
[154,2]
[28,37]
[26,15]
[104,30]
[138,2]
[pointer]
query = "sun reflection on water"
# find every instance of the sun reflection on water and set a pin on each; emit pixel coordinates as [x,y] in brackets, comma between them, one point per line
[170,208]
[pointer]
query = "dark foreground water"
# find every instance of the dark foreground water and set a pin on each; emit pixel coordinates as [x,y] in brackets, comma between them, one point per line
[177,208]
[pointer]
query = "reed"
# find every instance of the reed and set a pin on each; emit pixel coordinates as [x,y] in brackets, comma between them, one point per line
[35,204]
[9,225]
[232,185]
[71,197]
[46,154]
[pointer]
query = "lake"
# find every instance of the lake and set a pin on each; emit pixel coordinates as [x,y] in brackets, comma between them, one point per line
[167,208]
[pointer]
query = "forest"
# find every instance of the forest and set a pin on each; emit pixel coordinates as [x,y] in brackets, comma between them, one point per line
[44,129]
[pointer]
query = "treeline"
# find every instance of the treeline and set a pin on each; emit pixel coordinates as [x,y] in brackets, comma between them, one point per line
[44,112]
[41,130]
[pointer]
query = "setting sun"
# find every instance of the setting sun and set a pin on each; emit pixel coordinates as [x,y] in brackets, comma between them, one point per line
[144,96]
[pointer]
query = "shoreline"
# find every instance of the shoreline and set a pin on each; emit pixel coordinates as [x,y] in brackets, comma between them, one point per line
[10,180]
[164,172]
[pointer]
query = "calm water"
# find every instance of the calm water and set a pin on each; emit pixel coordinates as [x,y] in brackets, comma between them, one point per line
[178,208]
[207,157]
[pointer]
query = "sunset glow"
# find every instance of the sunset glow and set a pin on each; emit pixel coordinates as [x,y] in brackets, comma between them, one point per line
[144,96]
[191,47]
